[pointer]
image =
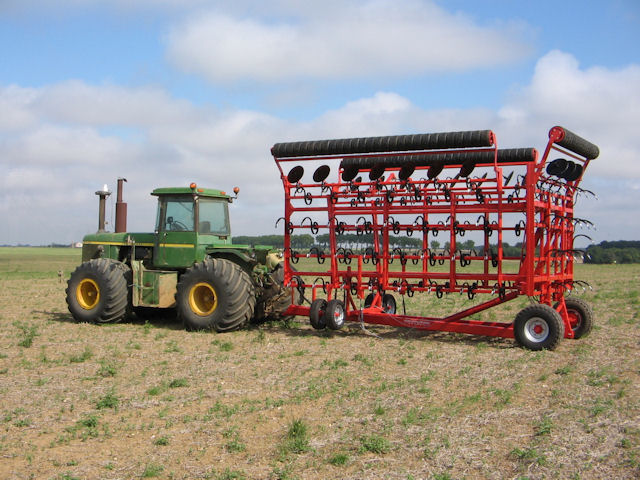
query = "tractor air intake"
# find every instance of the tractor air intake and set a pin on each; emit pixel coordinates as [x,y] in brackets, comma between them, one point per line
[103,194]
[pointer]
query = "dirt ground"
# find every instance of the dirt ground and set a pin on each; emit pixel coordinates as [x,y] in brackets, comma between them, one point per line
[146,399]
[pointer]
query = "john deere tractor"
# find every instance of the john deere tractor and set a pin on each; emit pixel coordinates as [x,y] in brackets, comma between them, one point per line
[188,264]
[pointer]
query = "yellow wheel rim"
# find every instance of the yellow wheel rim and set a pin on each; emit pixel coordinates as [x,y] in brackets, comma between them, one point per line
[88,293]
[202,299]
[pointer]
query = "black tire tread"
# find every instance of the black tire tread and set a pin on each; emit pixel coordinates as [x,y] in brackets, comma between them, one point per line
[587,316]
[113,278]
[318,320]
[236,295]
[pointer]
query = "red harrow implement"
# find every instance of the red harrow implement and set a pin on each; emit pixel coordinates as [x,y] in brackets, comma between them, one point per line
[437,186]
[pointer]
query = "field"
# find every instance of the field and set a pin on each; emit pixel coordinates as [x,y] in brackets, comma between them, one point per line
[283,401]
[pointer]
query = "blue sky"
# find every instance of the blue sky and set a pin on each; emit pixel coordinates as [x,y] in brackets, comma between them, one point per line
[170,91]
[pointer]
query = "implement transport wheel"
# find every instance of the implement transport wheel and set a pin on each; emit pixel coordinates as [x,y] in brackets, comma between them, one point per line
[538,327]
[215,294]
[98,292]
[317,313]
[580,316]
[389,304]
[335,314]
[369,300]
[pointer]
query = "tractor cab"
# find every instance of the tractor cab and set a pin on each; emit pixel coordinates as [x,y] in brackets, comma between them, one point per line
[189,220]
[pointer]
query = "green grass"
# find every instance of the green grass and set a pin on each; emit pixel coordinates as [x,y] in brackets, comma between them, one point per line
[161,441]
[82,357]
[529,455]
[229,474]
[27,333]
[339,459]
[233,443]
[374,444]
[37,262]
[544,426]
[178,383]
[108,368]
[110,400]
[297,438]
[152,470]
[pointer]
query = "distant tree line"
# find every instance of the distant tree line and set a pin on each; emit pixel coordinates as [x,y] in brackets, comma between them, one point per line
[621,251]
[356,242]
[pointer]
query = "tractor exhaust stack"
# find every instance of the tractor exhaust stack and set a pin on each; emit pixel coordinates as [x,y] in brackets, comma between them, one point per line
[103,194]
[121,209]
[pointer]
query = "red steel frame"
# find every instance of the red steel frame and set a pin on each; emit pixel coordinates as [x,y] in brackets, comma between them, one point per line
[547,228]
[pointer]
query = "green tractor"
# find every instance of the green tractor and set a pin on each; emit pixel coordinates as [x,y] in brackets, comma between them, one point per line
[188,264]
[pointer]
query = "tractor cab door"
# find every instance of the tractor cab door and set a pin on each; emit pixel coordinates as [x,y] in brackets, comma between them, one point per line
[175,242]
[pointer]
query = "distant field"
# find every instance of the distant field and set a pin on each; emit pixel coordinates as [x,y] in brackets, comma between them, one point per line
[283,401]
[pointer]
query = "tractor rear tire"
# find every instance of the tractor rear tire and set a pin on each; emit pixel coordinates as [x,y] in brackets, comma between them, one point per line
[215,294]
[538,327]
[580,316]
[98,291]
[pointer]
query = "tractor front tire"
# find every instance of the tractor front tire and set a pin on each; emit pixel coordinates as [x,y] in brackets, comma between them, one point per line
[538,327]
[215,294]
[98,291]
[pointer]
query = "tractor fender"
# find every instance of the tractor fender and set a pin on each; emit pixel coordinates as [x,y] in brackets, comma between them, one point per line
[241,258]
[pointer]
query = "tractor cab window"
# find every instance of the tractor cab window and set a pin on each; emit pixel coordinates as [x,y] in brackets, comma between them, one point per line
[213,216]
[176,215]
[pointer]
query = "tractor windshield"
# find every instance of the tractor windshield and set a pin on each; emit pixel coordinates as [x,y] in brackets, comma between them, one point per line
[176,214]
[214,216]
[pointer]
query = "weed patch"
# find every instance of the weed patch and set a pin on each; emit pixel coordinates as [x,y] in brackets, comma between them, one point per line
[27,333]
[297,438]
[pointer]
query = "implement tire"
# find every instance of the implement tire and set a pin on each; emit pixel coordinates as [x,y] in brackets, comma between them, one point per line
[580,316]
[98,291]
[215,294]
[335,314]
[538,327]
[316,314]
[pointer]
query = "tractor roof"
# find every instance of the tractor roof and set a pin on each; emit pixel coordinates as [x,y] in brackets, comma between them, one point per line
[194,190]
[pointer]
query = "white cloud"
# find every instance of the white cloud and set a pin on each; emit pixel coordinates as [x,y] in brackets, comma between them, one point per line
[67,141]
[340,40]
[14,105]
[600,104]
[53,146]
[75,101]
